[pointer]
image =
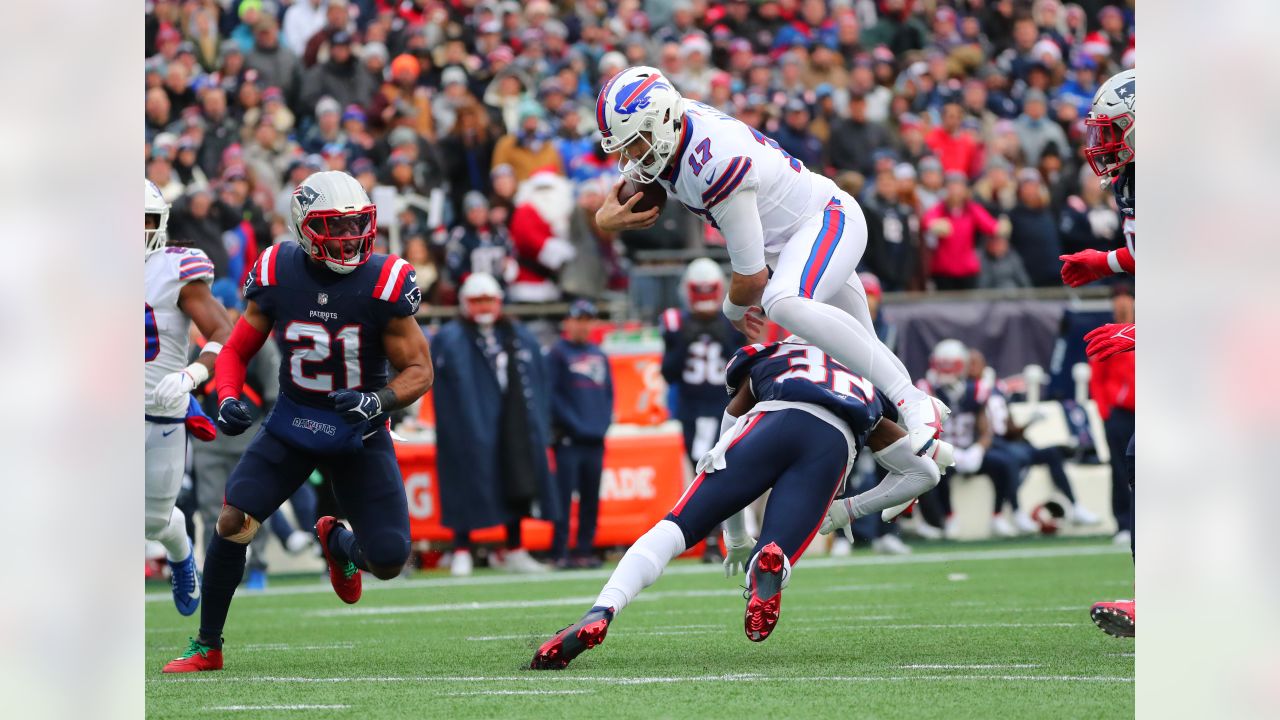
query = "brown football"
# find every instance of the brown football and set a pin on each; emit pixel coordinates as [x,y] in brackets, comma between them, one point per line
[654,195]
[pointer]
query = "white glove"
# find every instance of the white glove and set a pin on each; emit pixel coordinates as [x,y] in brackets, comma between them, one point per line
[838,516]
[969,460]
[173,389]
[738,554]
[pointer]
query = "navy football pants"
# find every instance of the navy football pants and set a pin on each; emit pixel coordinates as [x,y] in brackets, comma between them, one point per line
[802,458]
[578,469]
[367,485]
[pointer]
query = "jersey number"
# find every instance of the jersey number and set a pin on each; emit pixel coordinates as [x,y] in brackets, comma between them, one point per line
[810,363]
[703,149]
[705,363]
[766,140]
[318,351]
[153,335]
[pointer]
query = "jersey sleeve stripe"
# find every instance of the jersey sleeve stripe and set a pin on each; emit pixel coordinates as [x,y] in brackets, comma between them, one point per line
[390,277]
[196,272]
[733,184]
[265,271]
[724,178]
[671,320]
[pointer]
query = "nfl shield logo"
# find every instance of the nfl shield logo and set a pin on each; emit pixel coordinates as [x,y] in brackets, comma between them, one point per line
[322,298]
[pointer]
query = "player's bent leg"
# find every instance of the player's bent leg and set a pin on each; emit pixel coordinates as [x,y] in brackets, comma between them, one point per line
[370,490]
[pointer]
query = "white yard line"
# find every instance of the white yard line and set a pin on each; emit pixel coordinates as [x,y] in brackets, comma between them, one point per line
[1015,666]
[503,604]
[650,680]
[277,707]
[696,569]
[291,646]
[517,692]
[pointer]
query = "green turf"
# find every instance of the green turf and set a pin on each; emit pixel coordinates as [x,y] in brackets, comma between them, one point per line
[955,631]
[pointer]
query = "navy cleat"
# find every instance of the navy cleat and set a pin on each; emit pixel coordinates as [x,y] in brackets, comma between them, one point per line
[766,577]
[186,585]
[569,643]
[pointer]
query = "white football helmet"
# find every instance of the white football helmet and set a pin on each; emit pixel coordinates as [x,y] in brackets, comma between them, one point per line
[640,100]
[1109,139]
[155,206]
[703,286]
[333,220]
[949,362]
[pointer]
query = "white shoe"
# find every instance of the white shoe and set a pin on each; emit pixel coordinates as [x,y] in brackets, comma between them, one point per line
[1081,515]
[841,547]
[1000,527]
[951,528]
[1023,522]
[891,514]
[1121,538]
[890,544]
[461,564]
[519,561]
[923,419]
[298,541]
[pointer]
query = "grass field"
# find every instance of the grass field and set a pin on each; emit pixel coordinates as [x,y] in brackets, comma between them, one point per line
[977,630]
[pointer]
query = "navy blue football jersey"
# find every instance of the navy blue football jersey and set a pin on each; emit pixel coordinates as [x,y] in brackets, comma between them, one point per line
[797,372]
[693,360]
[329,326]
[965,401]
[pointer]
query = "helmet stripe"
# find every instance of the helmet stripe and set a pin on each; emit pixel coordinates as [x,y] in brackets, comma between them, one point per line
[600,103]
[635,94]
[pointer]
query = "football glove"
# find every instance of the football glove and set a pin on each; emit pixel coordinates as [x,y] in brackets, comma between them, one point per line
[172,390]
[356,407]
[1084,267]
[233,416]
[738,554]
[838,516]
[1110,339]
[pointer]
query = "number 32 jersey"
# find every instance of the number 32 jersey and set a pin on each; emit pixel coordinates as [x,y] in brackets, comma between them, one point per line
[329,326]
[796,372]
[716,155]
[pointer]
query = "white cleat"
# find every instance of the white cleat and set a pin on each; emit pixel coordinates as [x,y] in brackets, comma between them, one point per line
[895,512]
[1025,525]
[1121,538]
[461,564]
[951,528]
[1082,515]
[841,547]
[520,561]
[890,544]
[1000,527]
[923,420]
[298,541]
[924,530]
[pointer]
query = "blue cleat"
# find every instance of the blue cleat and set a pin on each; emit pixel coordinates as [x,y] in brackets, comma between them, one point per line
[257,580]
[186,585]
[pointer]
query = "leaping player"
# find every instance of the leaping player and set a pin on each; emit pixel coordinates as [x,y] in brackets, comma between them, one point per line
[774,214]
[795,425]
[177,293]
[1110,151]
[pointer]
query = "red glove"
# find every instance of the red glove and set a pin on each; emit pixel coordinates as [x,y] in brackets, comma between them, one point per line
[199,424]
[1084,267]
[1111,339]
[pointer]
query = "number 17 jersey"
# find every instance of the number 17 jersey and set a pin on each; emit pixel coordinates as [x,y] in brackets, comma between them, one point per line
[329,326]
[716,155]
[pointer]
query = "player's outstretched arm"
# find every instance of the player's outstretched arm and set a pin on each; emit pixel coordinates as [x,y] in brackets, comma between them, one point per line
[909,477]
[195,300]
[246,340]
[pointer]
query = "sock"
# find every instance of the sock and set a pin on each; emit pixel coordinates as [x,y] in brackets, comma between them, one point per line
[642,565]
[462,540]
[515,535]
[223,567]
[846,340]
[174,537]
[344,547]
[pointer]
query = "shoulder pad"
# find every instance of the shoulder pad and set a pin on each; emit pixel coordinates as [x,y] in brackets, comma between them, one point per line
[726,177]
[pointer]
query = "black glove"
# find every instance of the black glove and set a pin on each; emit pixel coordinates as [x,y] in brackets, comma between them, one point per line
[233,416]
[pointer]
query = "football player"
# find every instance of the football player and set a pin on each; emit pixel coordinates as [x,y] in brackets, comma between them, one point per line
[775,215]
[177,293]
[339,313]
[795,425]
[1109,148]
[697,342]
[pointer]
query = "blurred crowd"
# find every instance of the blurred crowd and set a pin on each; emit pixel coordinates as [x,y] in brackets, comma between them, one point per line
[471,123]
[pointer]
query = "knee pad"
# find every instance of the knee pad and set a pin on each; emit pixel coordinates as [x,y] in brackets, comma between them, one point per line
[237,526]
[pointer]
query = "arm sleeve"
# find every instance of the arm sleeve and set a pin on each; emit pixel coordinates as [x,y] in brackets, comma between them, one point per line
[233,361]
[739,220]
[1121,261]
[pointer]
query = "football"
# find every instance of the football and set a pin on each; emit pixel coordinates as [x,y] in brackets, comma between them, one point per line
[654,195]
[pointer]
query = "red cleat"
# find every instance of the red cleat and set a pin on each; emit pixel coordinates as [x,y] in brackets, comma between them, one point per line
[345,577]
[1115,618]
[198,658]
[764,600]
[569,643]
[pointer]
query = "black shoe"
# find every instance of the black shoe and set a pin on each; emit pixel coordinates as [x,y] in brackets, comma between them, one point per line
[569,643]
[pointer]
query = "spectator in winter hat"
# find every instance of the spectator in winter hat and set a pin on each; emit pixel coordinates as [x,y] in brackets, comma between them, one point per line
[277,66]
[530,148]
[336,20]
[958,151]
[996,189]
[341,77]
[327,128]
[952,228]
[930,187]
[1002,269]
[1034,231]
[854,139]
[1035,129]
[375,57]
[402,101]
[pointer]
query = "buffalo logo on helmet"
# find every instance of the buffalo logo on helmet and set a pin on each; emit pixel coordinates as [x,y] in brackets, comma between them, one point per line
[634,97]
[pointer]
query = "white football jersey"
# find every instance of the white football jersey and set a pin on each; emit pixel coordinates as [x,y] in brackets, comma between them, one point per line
[717,154]
[167,327]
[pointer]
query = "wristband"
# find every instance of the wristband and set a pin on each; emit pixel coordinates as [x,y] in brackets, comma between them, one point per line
[198,372]
[211,347]
[386,399]
[1113,262]
[732,311]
